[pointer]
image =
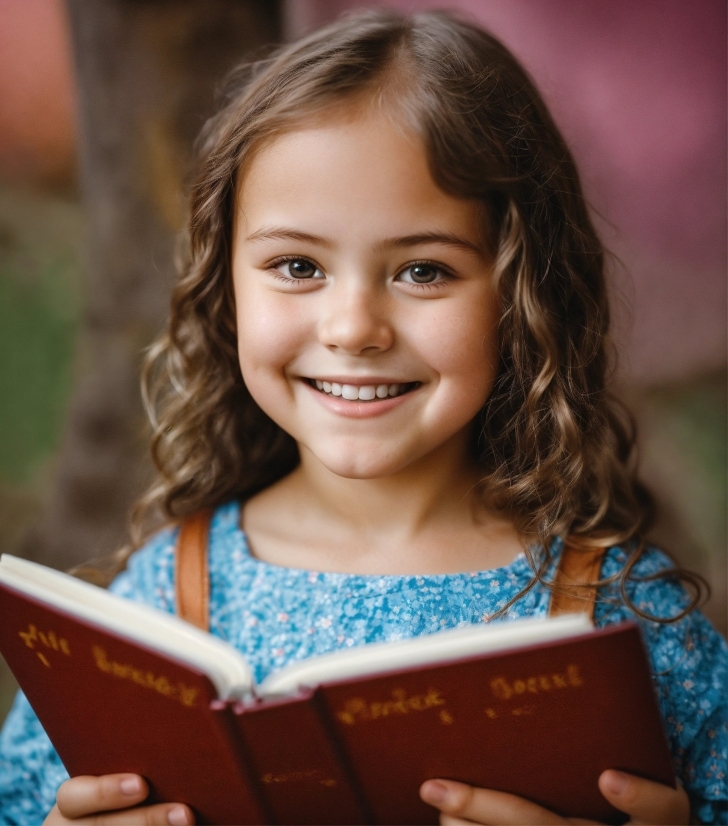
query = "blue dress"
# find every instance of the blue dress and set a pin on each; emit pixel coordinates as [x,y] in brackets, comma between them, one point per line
[275,616]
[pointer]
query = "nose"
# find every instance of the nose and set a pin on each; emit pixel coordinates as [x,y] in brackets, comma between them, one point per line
[356,320]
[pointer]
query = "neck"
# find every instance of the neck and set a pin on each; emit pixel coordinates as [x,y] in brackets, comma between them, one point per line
[422,519]
[434,489]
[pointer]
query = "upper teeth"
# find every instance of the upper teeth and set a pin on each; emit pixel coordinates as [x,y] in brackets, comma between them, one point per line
[352,392]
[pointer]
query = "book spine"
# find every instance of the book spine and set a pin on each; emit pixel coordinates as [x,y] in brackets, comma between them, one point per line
[229,731]
[298,767]
[343,757]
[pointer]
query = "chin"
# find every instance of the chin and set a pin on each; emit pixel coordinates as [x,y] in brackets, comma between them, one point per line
[363,465]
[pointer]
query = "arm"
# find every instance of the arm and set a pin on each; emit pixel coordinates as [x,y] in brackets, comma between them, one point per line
[30,769]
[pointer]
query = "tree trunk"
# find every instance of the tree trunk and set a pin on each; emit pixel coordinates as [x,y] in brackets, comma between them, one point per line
[147,71]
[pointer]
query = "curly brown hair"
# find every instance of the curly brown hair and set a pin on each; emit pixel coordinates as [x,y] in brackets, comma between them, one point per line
[555,448]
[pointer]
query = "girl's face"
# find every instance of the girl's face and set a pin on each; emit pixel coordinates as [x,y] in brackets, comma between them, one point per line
[365,305]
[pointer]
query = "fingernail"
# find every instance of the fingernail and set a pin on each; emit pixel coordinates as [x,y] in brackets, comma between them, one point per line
[434,792]
[177,816]
[616,782]
[130,785]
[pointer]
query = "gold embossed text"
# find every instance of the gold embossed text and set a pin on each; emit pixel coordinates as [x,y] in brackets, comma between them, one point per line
[356,709]
[175,691]
[504,689]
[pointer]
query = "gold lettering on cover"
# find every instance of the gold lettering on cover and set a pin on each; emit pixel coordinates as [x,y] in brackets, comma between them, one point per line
[504,689]
[187,695]
[50,640]
[519,712]
[500,688]
[299,776]
[492,713]
[572,672]
[162,685]
[30,636]
[446,718]
[357,710]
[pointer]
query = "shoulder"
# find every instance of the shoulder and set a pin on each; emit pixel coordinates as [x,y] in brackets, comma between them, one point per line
[149,573]
[655,599]
[649,585]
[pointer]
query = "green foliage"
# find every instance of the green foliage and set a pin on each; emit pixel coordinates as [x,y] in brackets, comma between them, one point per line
[39,312]
[691,420]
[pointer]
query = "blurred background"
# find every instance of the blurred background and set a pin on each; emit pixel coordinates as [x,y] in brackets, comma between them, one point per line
[99,106]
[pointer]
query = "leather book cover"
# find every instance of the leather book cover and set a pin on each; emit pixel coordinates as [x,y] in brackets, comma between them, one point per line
[110,705]
[301,774]
[540,722]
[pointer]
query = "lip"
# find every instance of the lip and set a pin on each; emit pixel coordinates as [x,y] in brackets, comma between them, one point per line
[357,410]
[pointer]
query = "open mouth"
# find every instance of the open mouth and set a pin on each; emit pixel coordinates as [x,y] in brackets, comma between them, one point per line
[364,392]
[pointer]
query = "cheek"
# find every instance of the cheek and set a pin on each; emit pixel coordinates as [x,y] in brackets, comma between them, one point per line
[461,345]
[267,342]
[269,336]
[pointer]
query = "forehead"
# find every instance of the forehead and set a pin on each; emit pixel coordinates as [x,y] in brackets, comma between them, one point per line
[353,173]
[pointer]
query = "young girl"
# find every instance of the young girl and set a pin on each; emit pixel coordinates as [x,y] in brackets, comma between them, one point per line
[386,371]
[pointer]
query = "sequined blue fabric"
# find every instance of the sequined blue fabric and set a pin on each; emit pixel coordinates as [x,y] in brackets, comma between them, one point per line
[275,616]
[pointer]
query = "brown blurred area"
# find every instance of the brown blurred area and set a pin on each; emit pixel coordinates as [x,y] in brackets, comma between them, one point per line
[99,105]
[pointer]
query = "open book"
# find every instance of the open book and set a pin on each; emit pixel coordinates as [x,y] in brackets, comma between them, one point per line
[535,707]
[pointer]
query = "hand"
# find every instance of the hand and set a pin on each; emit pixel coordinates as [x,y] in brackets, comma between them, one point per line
[644,801]
[81,799]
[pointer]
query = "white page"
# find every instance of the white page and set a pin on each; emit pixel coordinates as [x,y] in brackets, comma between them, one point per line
[162,632]
[440,647]
[227,669]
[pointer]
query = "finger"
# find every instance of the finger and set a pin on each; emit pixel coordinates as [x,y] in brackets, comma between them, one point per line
[461,802]
[643,800]
[446,820]
[163,814]
[85,795]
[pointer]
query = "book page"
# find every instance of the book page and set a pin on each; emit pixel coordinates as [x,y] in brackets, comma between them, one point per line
[439,647]
[152,628]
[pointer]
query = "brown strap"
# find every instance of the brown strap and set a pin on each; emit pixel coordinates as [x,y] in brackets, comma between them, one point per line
[192,580]
[572,592]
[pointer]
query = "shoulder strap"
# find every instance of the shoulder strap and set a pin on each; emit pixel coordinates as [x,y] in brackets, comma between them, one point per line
[573,593]
[192,580]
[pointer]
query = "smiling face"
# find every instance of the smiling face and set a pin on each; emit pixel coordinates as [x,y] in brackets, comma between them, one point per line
[365,307]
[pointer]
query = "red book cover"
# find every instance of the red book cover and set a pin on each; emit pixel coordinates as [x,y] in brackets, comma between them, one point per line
[540,722]
[110,705]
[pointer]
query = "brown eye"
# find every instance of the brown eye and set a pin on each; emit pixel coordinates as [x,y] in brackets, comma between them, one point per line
[299,268]
[421,274]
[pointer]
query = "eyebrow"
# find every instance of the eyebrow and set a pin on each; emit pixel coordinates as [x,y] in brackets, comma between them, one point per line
[283,234]
[445,238]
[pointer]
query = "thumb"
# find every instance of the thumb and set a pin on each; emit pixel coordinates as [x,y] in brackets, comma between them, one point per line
[644,800]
